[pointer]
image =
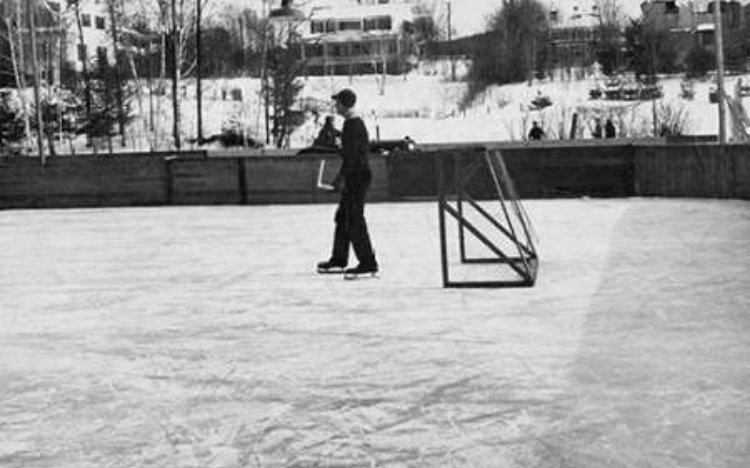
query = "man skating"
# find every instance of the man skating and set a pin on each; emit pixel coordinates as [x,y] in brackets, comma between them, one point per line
[352,181]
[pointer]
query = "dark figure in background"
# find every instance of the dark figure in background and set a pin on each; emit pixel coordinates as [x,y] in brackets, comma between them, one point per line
[352,181]
[597,132]
[410,144]
[536,132]
[609,129]
[328,134]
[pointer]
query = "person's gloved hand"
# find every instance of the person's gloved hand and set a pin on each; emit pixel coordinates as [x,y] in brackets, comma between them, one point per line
[338,184]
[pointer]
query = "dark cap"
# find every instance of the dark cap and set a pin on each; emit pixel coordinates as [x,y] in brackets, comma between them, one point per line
[346,97]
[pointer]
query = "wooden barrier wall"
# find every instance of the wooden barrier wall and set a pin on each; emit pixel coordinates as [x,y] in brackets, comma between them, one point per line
[83,181]
[538,171]
[741,158]
[685,171]
[549,171]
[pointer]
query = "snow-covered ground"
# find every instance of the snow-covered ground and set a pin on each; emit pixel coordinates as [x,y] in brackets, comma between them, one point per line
[428,108]
[200,337]
[423,105]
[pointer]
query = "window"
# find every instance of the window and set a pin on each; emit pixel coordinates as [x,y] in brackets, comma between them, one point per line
[350,25]
[314,50]
[86,20]
[338,50]
[322,26]
[378,23]
[100,23]
[317,27]
[371,24]
[82,52]
[101,55]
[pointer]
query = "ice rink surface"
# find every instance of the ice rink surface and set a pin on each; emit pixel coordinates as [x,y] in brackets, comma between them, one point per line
[201,337]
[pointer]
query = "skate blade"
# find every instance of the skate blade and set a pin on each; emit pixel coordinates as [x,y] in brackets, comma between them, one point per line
[359,276]
[339,271]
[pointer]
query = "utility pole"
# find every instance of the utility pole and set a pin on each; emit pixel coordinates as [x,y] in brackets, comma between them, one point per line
[720,71]
[31,12]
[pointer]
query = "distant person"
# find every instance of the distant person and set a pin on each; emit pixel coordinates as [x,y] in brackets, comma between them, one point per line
[597,132]
[328,135]
[410,144]
[536,132]
[609,129]
[352,181]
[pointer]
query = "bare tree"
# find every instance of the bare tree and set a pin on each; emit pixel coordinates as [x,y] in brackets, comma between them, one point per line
[13,16]
[513,49]
[611,24]
[83,57]
[31,21]
[199,4]
[176,54]
[284,67]
[115,14]
[175,20]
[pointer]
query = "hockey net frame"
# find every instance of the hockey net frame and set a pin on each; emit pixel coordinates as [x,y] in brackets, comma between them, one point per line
[516,255]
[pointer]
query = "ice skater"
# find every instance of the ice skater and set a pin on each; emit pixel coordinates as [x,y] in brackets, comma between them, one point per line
[352,182]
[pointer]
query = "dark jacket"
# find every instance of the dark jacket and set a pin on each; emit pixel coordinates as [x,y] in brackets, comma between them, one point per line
[355,146]
[327,136]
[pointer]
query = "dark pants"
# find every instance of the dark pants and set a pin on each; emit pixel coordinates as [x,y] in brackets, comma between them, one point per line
[351,227]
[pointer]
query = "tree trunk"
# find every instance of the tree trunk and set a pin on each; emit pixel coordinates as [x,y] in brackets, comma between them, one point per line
[35,67]
[22,75]
[86,76]
[199,70]
[160,89]
[177,55]
[49,128]
[13,57]
[118,67]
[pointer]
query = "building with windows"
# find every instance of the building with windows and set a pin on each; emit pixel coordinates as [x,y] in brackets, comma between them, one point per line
[366,36]
[694,18]
[60,42]
[92,41]
[692,23]
[573,36]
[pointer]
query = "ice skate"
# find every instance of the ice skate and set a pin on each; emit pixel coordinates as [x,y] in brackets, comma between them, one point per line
[362,271]
[331,267]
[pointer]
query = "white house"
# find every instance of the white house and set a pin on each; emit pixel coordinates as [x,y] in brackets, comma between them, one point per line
[95,28]
[365,36]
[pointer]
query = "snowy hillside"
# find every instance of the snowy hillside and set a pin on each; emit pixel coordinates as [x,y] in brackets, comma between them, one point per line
[424,106]
[427,108]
